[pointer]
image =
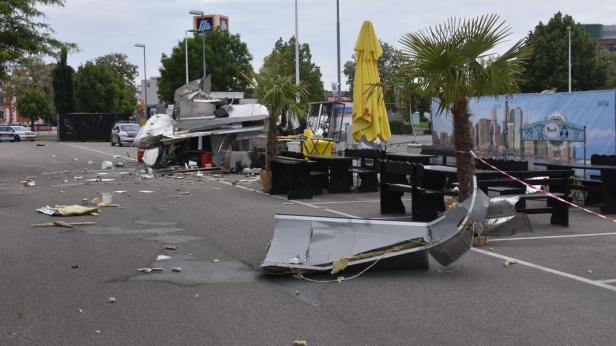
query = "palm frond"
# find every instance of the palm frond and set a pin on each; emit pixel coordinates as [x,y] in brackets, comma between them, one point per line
[455,59]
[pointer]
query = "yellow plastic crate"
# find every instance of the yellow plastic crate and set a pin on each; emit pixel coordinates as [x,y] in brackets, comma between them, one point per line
[321,147]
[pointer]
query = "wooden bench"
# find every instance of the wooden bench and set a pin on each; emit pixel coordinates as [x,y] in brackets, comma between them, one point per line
[318,176]
[397,178]
[292,177]
[367,170]
[558,182]
[593,185]
[507,166]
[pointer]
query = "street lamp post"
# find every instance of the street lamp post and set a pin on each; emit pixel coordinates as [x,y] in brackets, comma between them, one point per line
[569,31]
[296,52]
[186,53]
[145,80]
[201,13]
[338,43]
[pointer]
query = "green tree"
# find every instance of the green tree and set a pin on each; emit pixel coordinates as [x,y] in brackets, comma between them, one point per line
[22,34]
[450,61]
[548,64]
[63,74]
[278,94]
[609,58]
[398,87]
[227,60]
[34,104]
[126,70]
[31,74]
[99,88]
[281,62]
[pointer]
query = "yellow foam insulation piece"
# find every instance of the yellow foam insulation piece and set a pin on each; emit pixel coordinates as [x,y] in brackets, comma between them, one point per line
[341,263]
[75,210]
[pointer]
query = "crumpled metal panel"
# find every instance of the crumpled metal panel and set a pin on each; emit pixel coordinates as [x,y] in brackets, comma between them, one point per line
[308,241]
[502,218]
[452,237]
[314,243]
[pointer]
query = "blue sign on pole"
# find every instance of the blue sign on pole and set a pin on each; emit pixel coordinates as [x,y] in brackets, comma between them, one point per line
[204,24]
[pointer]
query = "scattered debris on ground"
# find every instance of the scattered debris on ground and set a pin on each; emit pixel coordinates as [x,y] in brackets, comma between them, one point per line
[149,270]
[176,269]
[64,224]
[68,210]
[509,263]
[300,343]
[106,165]
[170,247]
[162,257]
[112,300]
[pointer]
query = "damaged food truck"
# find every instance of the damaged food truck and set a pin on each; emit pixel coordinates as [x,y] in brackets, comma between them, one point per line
[202,129]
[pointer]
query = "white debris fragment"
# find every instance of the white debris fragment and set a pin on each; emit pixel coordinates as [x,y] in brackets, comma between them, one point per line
[510,263]
[162,257]
[106,165]
[146,191]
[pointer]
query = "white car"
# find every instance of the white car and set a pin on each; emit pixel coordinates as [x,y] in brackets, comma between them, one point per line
[15,133]
[124,133]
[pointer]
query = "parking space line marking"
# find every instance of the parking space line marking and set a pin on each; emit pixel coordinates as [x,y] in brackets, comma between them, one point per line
[555,236]
[548,270]
[285,199]
[484,252]
[100,152]
[608,281]
[360,201]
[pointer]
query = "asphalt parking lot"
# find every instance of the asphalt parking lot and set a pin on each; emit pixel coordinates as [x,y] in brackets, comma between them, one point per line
[56,283]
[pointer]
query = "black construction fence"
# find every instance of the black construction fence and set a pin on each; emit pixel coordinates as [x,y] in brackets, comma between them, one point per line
[82,127]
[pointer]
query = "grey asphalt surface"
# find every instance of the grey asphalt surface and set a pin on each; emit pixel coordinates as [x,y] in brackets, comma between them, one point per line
[221,298]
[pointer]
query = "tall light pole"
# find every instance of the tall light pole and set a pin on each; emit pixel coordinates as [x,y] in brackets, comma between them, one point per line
[186,53]
[338,43]
[201,13]
[569,31]
[296,53]
[145,80]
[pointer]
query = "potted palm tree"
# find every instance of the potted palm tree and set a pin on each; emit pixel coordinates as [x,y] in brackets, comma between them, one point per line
[280,95]
[455,61]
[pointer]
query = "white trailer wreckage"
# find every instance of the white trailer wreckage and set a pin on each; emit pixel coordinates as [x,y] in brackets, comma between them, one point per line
[213,123]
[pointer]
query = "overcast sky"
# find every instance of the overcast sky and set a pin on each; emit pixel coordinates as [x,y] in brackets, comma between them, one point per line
[103,26]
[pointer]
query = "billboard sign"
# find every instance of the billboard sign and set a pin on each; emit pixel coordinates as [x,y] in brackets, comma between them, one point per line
[542,125]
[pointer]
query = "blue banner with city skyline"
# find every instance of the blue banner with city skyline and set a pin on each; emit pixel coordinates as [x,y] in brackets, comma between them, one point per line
[497,123]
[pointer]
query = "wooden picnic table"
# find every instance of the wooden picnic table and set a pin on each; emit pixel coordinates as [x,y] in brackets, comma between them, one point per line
[340,178]
[608,179]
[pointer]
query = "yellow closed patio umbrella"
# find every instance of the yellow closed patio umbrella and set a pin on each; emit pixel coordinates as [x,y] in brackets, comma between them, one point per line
[369,113]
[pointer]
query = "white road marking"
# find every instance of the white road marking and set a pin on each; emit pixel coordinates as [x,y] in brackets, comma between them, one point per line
[361,201]
[555,236]
[608,281]
[487,253]
[285,199]
[100,152]
[548,270]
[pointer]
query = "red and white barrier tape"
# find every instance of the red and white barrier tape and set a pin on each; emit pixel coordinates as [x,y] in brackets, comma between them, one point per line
[545,192]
